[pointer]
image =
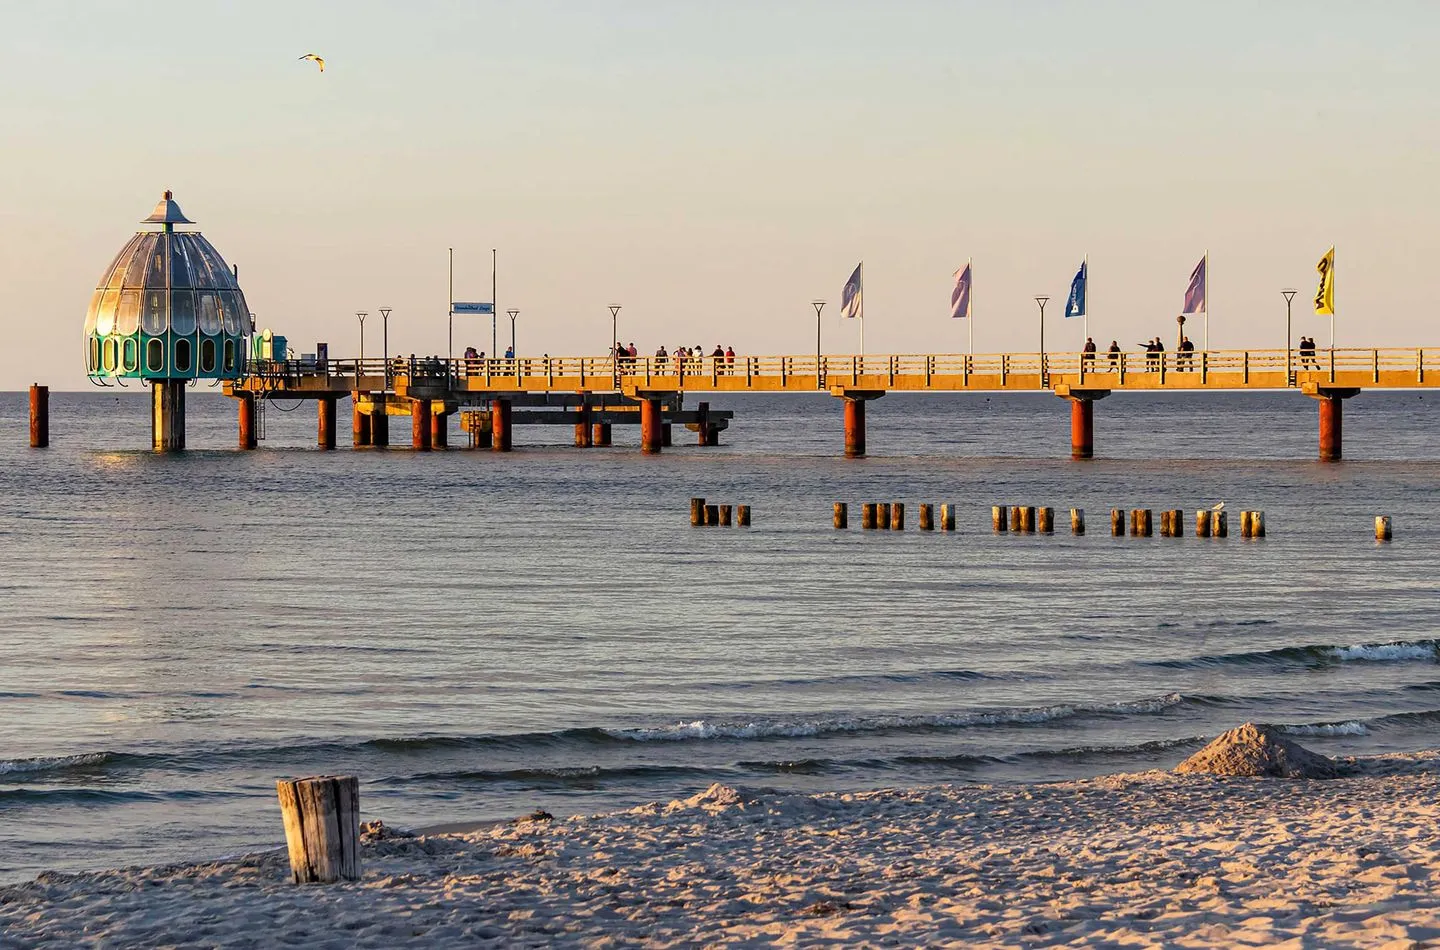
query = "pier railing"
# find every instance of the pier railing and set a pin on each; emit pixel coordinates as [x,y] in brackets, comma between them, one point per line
[1266,368]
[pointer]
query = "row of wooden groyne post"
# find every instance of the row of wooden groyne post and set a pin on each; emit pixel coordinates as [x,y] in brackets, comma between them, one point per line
[703,515]
[1029,519]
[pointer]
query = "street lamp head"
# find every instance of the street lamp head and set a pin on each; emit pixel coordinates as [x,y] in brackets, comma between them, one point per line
[1289,293]
[512,314]
[385,312]
[1041,298]
[818,305]
[614,309]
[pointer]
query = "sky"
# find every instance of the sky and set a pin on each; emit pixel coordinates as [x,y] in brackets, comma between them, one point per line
[713,167]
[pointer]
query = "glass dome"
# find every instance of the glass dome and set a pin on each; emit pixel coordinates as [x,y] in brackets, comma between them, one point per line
[167,307]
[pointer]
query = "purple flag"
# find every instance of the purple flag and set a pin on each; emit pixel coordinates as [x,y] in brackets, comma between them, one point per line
[960,296]
[1195,293]
[852,302]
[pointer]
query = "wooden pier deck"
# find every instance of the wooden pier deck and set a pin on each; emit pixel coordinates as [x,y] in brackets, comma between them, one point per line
[439,387]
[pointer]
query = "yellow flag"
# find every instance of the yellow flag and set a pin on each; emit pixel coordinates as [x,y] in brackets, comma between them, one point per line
[1325,294]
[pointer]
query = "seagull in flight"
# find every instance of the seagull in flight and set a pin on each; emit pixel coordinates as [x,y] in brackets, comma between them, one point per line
[318,61]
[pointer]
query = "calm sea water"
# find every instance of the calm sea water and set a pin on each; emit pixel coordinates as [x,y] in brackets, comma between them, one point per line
[476,635]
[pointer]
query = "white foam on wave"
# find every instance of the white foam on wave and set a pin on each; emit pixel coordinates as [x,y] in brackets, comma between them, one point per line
[1351,728]
[46,763]
[703,729]
[1387,652]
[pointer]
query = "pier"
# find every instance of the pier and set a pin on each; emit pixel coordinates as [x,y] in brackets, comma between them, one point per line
[594,393]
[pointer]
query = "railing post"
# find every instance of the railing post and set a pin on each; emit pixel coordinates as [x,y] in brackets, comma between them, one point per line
[783,360]
[854,370]
[1376,359]
[1004,367]
[1122,369]
[1245,367]
[1204,366]
[965,370]
[1420,365]
[749,371]
[1332,364]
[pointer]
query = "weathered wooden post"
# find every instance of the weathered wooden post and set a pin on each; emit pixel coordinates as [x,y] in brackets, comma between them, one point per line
[927,517]
[724,516]
[1219,524]
[1382,527]
[322,827]
[897,515]
[1257,523]
[1177,523]
[882,516]
[39,416]
[869,517]
[947,517]
[997,517]
[712,515]
[1202,523]
[1117,522]
[1077,520]
[1165,523]
[842,516]
[742,516]
[1045,520]
[1017,519]
[1027,519]
[1146,523]
[697,512]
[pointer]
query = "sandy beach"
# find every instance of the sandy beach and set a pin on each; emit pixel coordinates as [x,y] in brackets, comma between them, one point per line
[1144,859]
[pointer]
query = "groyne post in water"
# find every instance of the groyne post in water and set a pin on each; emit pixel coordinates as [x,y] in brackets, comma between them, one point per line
[697,512]
[725,516]
[1077,520]
[997,518]
[1382,527]
[712,515]
[927,517]
[1117,522]
[897,516]
[842,516]
[1017,519]
[1202,522]
[39,416]
[742,516]
[947,517]
[322,827]
[1045,520]
[1219,524]
[882,516]
[869,516]
[1027,519]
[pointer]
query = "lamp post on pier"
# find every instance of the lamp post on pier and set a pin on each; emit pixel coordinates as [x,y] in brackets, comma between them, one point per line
[1289,294]
[614,342]
[385,341]
[819,376]
[1041,300]
[362,314]
[512,314]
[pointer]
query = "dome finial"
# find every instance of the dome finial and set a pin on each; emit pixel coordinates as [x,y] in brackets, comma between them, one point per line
[167,212]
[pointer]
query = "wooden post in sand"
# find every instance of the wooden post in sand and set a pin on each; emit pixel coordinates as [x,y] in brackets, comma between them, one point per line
[927,517]
[1382,527]
[997,517]
[842,516]
[322,827]
[1077,520]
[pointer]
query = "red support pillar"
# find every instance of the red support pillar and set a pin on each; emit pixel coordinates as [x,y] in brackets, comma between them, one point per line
[420,424]
[500,425]
[854,428]
[247,420]
[325,410]
[379,426]
[1331,415]
[601,434]
[39,416]
[584,436]
[361,423]
[1082,428]
[440,429]
[650,439]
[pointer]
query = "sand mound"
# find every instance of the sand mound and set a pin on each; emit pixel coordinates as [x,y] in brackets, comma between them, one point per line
[715,798]
[1258,751]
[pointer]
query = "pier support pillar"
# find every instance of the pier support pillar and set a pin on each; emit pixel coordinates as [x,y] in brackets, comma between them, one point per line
[379,426]
[420,425]
[167,415]
[650,440]
[600,434]
[500,425]
[440,429]
[325,423]
[584,434]
[855,418]
[39,416]
[1082,419]
[246,411]
[708,433]
[361,423]
[1331,418]
[665,434]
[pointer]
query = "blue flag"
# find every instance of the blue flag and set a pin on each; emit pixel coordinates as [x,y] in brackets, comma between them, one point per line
[852,299]
[1075,304]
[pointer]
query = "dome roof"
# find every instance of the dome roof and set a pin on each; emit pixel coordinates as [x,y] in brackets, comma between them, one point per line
[170,284]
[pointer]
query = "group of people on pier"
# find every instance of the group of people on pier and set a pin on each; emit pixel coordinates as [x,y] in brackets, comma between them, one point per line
[1154,355]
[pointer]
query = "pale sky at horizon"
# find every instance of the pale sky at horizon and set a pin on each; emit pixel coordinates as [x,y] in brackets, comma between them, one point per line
[714,167]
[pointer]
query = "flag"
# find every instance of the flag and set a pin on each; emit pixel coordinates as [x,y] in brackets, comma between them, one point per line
[960,296]
[1075,304]
[1325,294]
[1199,287]
[851,303]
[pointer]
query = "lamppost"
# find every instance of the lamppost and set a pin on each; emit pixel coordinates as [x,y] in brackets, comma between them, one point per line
[1289,294]
[614,342]
[512,314]
[385,341]
[1041,300]
[362,314]
[819,376]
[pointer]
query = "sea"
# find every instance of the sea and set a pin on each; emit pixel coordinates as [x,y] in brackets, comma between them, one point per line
[476,635]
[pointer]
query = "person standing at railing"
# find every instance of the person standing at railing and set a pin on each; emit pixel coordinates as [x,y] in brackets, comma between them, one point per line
[730,359]
[1187,354]
[719,359]
[1307,353]
[1087,354]
[1114,355]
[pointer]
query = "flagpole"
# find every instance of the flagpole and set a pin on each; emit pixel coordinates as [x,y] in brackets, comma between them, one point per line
[970,266]
[1332,310]
[450,330]
[862,308]
[1207,300]
[494,308]
[1085,317]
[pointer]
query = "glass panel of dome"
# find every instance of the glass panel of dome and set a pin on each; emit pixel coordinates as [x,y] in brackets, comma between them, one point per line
[153,319]
[154,356]
[236,319]
[179,262]
[182,311]
[229,356]
[105,318]
[155,266]
[207,356]
[91,314]
[115,274]
[139,254]
[110,355]
[130,354]
[182,355]
[207,310]
[93,363]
